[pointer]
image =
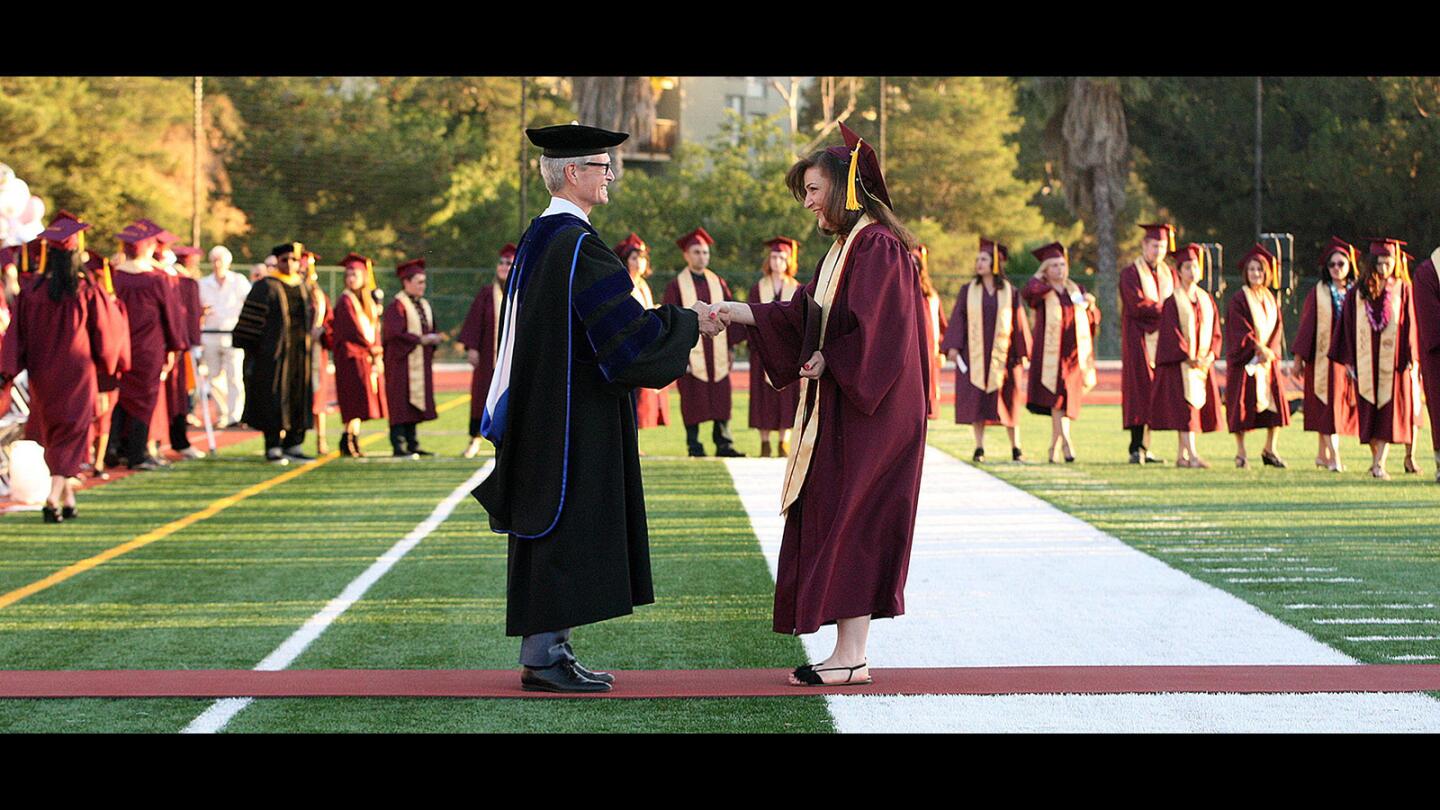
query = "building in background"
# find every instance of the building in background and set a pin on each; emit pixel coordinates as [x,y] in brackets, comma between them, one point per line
[691,109]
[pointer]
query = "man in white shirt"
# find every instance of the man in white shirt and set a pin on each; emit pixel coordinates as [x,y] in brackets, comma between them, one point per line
[222,294]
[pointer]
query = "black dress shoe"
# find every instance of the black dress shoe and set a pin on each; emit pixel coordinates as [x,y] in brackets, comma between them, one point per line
[51,514]
[694,453]
[1135,457]
[416,451]
[561,677]
[1016,454]
[603,677]
[728,452]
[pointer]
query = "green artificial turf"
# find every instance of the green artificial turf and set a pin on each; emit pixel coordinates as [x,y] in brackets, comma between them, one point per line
[1341,556]
[223,593]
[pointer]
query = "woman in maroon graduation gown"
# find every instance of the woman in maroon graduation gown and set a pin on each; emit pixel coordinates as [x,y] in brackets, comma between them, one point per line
[1186,393]
[853,477]
[652,405]
[773,409]
[1378,343]
[1062,365]
[1329,391]
[480,335]
[988,340]
[355,343]
[58,336]
[1426,290]
[935,324]
[115,323]
[1254,338]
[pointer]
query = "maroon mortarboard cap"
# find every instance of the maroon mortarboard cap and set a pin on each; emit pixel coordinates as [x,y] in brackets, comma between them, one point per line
[695,237]
[64,233]
[96,261]
[63,214]
[1257,252]
[1163,231]
[181,251]
[1191,253]
[410,268]
[508,252]
[134,232]
[783,243]
[1337,245]
[864,166]
[990,246]
[574,140]
[1385,246]
[354,259]
[631,244]
[1054,250]
[161,235]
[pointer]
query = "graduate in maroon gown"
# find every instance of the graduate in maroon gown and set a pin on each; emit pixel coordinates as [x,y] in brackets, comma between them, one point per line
[408,329]
[1426,291]
[853,475]
[652,405]
[1062,345]
[186,376]
[773,409]
[57,336]
[174,400]
[1378,343]
[1143,285]
[1329,392]
[115,324]
[988,340]
[156,332]
[1254,341]
[705,389]
[480,335]
[355,341]
[322,329]
[1186,394]
[935,324]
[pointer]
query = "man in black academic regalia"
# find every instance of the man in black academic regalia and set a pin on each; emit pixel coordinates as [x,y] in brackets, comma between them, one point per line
[566,486]
[274,332]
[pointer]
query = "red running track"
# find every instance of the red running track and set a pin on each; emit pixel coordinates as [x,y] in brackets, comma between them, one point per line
[713,683]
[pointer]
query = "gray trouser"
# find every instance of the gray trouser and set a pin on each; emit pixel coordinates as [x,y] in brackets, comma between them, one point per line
[546,649]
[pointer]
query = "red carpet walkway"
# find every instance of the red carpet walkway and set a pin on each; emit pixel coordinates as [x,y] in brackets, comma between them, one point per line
[712,683]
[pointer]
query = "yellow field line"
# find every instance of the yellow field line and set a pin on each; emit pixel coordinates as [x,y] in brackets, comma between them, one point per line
[172,527]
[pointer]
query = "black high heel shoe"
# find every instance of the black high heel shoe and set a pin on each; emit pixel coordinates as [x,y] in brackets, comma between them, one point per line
[1271,460]
[51,514]
[67,513]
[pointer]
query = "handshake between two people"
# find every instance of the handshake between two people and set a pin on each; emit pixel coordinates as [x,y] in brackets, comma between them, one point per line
[716,318]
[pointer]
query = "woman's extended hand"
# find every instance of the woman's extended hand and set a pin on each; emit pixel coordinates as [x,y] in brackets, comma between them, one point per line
[814,367]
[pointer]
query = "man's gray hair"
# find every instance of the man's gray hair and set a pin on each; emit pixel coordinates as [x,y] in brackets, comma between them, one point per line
[221,252]
[552,169]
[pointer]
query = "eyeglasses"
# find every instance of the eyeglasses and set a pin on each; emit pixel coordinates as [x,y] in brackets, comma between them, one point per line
[607,168]
[1339,263]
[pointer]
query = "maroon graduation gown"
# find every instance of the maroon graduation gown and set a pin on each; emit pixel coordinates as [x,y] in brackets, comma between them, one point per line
[1337,416]
[1396,421]
[974,405]
[702,401]
[177,389]
[320,360]
[1070,384]
[1139,316]
[360,397]
[61,343]
[478,334]
[110,314]
[154,332]
[398,344]
[5,396]
[1427,331]
[770,409]
[1241,340]
[846,546]
[1169,410]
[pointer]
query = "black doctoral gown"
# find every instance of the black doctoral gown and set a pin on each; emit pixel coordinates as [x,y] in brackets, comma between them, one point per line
[274,331]
[566,486]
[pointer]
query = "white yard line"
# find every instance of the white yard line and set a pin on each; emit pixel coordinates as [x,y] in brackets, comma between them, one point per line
[221,712]
[999,577]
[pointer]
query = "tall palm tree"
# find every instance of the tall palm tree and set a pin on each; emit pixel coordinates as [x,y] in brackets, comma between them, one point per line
[1087,137]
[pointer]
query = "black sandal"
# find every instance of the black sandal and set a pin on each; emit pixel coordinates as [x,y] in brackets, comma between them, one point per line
[979,456]
[808,675]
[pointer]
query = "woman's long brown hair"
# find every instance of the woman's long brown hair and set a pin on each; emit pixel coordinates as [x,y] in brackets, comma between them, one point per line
[837,171]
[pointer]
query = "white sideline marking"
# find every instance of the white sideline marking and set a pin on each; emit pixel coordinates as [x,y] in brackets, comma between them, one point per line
[222,711]
[1392,638]
[999,577]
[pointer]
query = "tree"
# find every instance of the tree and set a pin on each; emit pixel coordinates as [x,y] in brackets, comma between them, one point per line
[617,103]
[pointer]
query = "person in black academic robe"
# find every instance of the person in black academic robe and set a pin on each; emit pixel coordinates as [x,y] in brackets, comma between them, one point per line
[567,486]
[274,332]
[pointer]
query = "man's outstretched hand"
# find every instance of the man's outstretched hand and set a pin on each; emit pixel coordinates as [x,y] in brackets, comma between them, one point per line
[711,323]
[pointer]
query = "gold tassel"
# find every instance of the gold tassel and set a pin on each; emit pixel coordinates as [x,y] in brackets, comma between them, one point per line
[1171,232]
[852,202]
[43,253]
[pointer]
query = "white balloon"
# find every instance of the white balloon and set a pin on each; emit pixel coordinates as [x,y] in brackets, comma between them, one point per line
[34,210]
[13,197]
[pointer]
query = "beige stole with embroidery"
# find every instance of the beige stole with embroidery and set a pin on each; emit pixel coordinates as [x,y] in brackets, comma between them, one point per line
[1156,286]
[1364,365]
[1193,379]
[1264,315]
[367,331]
[788,286]
[975,335]
[1324,328]
[826,284]
[415,360]
[642,293]
[720,346]
[1050,364]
